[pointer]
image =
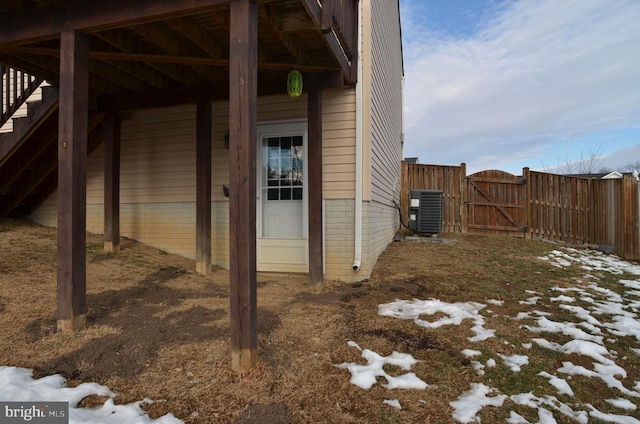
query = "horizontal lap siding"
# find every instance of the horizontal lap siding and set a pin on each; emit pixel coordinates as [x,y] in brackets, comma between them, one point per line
[158,172]
[382,107]
[157,180]
[386,102]
[338,144]
[157,159]
[338,138]
[158,150]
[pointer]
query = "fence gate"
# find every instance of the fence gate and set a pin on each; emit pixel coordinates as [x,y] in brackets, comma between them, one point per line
[496,203]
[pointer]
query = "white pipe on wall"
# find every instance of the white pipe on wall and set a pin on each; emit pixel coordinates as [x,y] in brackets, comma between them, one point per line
[358,195]
[324,238]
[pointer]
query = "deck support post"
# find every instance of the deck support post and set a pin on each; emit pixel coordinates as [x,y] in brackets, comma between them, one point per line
[243,65]
[203,188]
[72,181]
[314,116]
[112,183]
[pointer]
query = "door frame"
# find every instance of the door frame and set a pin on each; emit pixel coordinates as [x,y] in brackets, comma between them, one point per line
[282,129]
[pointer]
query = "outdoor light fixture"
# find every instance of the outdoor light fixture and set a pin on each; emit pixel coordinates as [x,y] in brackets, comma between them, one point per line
[294,83]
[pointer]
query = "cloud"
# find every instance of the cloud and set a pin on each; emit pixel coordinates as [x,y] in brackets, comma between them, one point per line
[624,157]
[537,75]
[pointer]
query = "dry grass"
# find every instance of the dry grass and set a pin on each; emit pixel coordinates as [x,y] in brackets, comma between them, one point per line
[158,330]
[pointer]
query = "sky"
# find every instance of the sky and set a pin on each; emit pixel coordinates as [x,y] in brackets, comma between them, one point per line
[596,321]
[504,84]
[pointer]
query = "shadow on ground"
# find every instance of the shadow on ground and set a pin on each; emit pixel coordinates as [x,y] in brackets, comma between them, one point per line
[144,327]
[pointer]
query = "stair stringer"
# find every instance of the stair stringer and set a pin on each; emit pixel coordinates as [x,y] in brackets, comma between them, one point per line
[25,126]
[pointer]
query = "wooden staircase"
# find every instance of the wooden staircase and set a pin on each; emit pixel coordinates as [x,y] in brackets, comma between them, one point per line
[28,142]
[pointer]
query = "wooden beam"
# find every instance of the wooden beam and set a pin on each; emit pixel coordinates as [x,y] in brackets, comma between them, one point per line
[314,180]
[317,13]
[243,53]
[88,16]
[274,20]
[156,35]
[43,66]
[203,188]
[332,42]
[72,181]
[314,10]
[158,75]
[353,78]
[112,183]
[209,92]
[105,71]
[199,36]
[323,80]
[166,97]
[327,16]
[164,58]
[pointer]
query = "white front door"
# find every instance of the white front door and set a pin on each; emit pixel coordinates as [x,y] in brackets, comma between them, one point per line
[282,198]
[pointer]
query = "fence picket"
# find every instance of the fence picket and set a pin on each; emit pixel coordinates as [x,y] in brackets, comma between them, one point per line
[552,207]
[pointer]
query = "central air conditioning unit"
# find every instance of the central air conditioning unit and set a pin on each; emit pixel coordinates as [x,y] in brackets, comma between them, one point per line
[425,211]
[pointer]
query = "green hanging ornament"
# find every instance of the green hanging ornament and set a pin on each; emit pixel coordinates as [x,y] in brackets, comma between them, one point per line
[294,83]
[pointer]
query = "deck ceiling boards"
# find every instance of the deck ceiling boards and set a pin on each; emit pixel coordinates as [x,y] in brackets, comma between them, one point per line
[170,51]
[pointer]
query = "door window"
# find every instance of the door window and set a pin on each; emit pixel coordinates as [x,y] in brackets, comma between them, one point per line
[282,207]
[283,177]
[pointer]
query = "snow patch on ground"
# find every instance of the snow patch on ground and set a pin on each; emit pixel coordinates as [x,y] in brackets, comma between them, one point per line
[560,384]
[605,316]
[472,401]
[18,384]
[622,403]
[365,376]
[514,362]
[455,314]
[392,402]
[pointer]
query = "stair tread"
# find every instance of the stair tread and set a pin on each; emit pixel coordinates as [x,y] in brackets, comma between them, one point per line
[23,112]
[34,99]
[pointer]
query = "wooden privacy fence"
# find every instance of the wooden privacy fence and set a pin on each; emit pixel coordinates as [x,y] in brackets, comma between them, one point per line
[538,205]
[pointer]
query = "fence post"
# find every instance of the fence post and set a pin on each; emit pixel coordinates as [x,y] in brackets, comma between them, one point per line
[463,197]
[526,175]
[631,224]
[613,194]
[636,191]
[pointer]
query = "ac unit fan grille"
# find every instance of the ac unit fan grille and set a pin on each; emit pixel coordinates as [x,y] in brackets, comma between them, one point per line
[427,211]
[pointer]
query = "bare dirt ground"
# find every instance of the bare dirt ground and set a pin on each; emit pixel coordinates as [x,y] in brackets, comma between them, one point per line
[158,330]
